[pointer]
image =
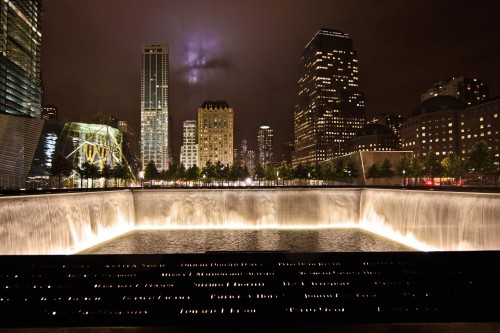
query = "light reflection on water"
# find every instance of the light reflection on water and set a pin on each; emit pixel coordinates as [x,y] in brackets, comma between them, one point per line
[203,240]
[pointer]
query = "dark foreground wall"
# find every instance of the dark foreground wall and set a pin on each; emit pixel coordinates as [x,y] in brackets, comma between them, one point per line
[252,292]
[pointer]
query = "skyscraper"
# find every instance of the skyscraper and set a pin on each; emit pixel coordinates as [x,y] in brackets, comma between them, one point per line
[155,143]
[215,133]
[330,109]
[189,148]
[20,48]
[245,156]
[265,145]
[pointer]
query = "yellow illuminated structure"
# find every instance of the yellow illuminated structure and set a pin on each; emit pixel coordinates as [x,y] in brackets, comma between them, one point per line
[215,133]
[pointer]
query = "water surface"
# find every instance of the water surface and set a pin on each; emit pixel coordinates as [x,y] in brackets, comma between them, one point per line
[203,240]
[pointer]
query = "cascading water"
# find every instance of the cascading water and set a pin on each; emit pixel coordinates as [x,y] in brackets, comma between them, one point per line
[270,208]
[62,223]
[444,221]
[427,220]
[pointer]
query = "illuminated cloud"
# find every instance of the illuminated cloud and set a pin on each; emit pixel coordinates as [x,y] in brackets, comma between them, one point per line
[202,58]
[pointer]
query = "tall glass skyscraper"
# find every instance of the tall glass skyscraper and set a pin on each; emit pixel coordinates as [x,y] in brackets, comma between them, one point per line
[330,109]
[20,47]
[265,143]
[155,143]
[189,148]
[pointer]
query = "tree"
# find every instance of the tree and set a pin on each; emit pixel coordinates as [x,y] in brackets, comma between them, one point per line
[270,172]
[346,168]
[150,171]
[329,170]
[416,169]
[121,172]
[91,171]
[351,170]
[386,169]
[480,160]
[170,174]
[341,169]
[258,172]
[235,172]
[221,172]
[496,170]
[61,167]
[433,167]
[209,172]
[373,172]
[193,173]
[452,166]
[403,167]
[316,171]
[106,173]
[81,174]
[301,171]
[180,173]
[285,171]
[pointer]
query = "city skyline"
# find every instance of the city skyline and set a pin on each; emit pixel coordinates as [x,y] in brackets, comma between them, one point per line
[249,55]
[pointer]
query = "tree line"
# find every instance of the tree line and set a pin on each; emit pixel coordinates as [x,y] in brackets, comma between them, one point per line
[479,162]
[220,174]
[63,167]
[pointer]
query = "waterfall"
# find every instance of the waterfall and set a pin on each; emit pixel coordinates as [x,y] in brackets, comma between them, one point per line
[253,208]
[438,220]
[427,220]
[62,223]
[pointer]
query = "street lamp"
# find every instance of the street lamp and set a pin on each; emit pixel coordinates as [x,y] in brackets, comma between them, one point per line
[404,178]
[277,178]
[349,177]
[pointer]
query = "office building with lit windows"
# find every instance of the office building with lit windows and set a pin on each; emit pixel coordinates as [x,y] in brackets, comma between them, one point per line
[20,52]
[330,108]
[480,122]
[444,124]
[189,148]
[391,121]
[244,155]
[265,145]
[373,137]
[469,90]
[215,133]
[433,127]
[155,143]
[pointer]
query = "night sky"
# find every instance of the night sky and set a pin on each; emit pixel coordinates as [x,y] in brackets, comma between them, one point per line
[247,52]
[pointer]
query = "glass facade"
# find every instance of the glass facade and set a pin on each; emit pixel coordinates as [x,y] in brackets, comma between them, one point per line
[331,108]
[155,143]
[189,148]
[20,51]
[265,143]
